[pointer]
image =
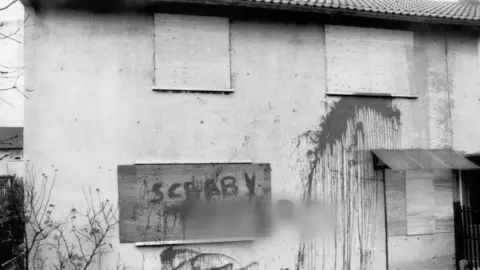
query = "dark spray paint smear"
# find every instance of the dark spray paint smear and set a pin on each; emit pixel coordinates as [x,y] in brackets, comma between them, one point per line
[179,211]
[337,171]
[173,259]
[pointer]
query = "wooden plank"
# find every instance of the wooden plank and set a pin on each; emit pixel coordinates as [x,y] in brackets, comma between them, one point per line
[434,251]
[378,95]
[192,52]
[443,184]
[395,202]
[187,203]
[420,202]
[378,59]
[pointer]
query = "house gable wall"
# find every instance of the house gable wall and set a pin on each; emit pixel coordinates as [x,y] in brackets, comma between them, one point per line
[93,108]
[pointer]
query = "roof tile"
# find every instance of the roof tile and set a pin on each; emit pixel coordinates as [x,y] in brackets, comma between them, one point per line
[419,8]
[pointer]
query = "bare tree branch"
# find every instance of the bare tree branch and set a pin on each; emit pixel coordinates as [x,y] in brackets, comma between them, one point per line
[74,247]
[12,73]
[3,36]
[6,102]
[8,5]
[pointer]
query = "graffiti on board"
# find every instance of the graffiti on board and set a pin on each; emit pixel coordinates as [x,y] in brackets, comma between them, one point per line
[186,203]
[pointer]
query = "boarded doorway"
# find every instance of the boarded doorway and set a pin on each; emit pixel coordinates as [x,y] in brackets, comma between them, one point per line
[419,196]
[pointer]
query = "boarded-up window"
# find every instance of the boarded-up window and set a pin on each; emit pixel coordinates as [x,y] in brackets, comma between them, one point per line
[396,201]
[419,202]
[368,60]
[192,53]
[193,203]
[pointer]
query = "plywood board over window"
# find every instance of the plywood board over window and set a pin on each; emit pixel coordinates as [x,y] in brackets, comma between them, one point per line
[420,202]
[368,60]
[443,185]
[395,201]
[166,204]
[192,53]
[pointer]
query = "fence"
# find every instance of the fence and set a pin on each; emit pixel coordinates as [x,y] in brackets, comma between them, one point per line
[467,235]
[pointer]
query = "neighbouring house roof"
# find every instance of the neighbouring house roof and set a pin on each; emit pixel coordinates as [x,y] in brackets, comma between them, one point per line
[408,10]
[11,137]
[423,159]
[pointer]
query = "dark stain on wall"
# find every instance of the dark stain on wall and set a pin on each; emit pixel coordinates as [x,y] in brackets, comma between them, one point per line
[337,170]
[181,210]
[335,124]
[176,259]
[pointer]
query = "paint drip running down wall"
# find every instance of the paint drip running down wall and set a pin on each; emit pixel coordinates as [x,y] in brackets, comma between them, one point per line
[337,170]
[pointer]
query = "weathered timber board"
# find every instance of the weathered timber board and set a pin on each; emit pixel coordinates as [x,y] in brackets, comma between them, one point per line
[420,202]
[185,203]
[376,58]
[192,51]
[443,184]
[396,204]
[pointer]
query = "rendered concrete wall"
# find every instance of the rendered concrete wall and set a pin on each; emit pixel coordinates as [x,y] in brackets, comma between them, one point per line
[463,64]
[93,108]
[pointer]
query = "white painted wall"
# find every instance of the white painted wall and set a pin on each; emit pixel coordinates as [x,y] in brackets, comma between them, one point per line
[463,61]
[93,109]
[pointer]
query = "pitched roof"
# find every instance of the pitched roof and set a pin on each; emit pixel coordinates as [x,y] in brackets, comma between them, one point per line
[417,8]
[410,10]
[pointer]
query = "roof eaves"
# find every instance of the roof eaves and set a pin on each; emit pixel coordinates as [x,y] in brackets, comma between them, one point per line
[338,10]
[420,18]
[386,13]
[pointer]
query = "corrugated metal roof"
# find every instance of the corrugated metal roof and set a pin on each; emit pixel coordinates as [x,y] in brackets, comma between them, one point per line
[11,137]
[423,159]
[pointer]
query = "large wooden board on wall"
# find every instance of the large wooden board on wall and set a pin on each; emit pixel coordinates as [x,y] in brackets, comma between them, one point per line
[378,59]
[192,52]
[429,204]
[193,203]
[395,195]
[420,202]
[420,224]
[443,185]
